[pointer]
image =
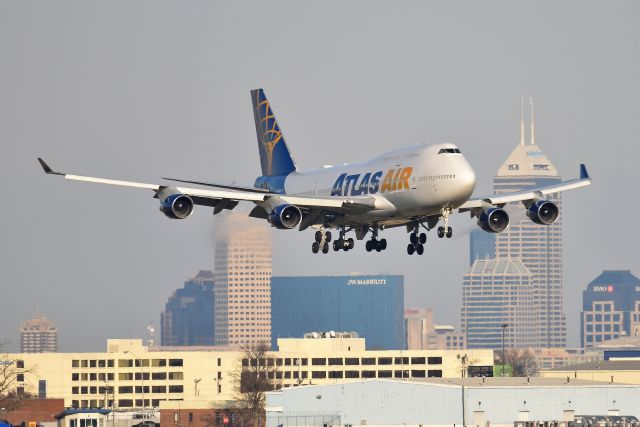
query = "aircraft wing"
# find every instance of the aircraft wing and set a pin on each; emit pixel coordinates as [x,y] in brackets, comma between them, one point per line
[227,197]
[528,194]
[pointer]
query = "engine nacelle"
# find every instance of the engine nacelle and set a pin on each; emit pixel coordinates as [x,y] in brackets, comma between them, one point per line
[177,206]
[494,220]
[543,212]
[285,217]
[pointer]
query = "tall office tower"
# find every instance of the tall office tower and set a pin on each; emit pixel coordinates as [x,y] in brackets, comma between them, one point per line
[187,318]
[610,308]
[372,306]
[539,247]
[242,281]
[38,335]
[482,245]
[418,323]
[495,293]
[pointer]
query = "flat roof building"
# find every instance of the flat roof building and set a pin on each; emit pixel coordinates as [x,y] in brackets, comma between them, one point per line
[130,375]
[439,402]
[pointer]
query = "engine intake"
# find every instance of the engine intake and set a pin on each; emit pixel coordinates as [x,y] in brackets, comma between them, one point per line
[494,220]
[177,206]
[543,212]
[285,217]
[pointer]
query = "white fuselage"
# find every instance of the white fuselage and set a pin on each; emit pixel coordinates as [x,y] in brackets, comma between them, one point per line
[407,183]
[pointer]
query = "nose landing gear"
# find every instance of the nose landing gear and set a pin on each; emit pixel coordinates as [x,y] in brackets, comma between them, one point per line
[446,230]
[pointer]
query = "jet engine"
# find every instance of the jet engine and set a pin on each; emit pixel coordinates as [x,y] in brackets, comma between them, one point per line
[494,220]
[543,212]
[285,217]
[177,206]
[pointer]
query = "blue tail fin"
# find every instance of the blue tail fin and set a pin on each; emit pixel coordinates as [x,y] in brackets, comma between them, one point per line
[274,154]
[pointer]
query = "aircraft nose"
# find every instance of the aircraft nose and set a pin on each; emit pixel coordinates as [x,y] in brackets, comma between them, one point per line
[467,178]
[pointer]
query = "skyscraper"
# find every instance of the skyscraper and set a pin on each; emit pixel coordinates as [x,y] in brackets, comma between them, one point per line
[610,308]
[38,335]
[187,318]
[242,281]
[372,306]
[495,293]
[538,247]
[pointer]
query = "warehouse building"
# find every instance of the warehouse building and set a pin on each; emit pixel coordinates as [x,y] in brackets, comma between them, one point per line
[468,401]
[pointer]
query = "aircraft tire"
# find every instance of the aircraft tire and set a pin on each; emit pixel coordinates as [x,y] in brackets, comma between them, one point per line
[315,247]
[449,232]
[369,246]
[336,245]
[410,248]
[413,238]
[327,236]
[318,236]
[351,243]
[420,249]
[383,244]
[325,248]
[440,232]
[423,238]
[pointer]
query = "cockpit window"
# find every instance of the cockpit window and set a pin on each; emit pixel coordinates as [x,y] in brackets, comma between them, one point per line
[449,150]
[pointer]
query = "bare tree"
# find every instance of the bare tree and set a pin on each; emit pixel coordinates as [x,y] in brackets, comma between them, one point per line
[254,376]
[523,362]
[12,372]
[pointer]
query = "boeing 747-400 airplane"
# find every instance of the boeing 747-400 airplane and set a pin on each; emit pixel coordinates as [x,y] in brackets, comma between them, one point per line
[417,186]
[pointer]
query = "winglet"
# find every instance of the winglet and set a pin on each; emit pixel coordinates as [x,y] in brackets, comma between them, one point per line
[47,169]
[583,172]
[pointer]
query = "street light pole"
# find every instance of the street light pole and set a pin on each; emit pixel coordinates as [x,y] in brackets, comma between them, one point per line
[503,326]
[144,408]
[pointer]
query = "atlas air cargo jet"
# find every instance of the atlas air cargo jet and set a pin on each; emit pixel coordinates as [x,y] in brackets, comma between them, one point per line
[416,187]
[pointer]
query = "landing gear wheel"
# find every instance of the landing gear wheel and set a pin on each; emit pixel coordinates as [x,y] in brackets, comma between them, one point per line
[441,232]
[336,245]
[369,245]
[383,244]
[423,238]
[350,243]
[413,238]
[318,236]
[420,249]
[325,248]
[449,232]
[410,248]
[327,236]
[315,247]
[378,246]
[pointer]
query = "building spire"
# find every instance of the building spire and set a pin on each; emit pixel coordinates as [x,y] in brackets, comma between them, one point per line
[533,123]
[522,121]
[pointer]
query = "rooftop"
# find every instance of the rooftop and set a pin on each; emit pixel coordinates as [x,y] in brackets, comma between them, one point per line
[603,365]
[527,160]
[499,266]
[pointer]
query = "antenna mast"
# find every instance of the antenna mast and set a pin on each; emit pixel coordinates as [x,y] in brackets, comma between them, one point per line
[522,121]
[533,124]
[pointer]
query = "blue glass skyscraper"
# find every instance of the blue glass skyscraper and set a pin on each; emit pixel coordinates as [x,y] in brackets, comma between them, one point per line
[372,306]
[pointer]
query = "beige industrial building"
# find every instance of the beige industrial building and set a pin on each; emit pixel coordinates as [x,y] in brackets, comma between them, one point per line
[130,375]
[618,371]
[242,282]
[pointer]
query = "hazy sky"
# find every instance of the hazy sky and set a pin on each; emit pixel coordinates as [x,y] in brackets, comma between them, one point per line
[139,90]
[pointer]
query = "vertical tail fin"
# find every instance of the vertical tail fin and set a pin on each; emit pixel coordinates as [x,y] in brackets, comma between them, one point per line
[275,157]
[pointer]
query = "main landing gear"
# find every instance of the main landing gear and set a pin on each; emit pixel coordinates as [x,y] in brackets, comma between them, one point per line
[417,241]
[446,230]
[342,242]
[322,241]
[374,243]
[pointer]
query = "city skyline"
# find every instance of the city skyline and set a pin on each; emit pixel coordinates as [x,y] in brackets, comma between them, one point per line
[136,92]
